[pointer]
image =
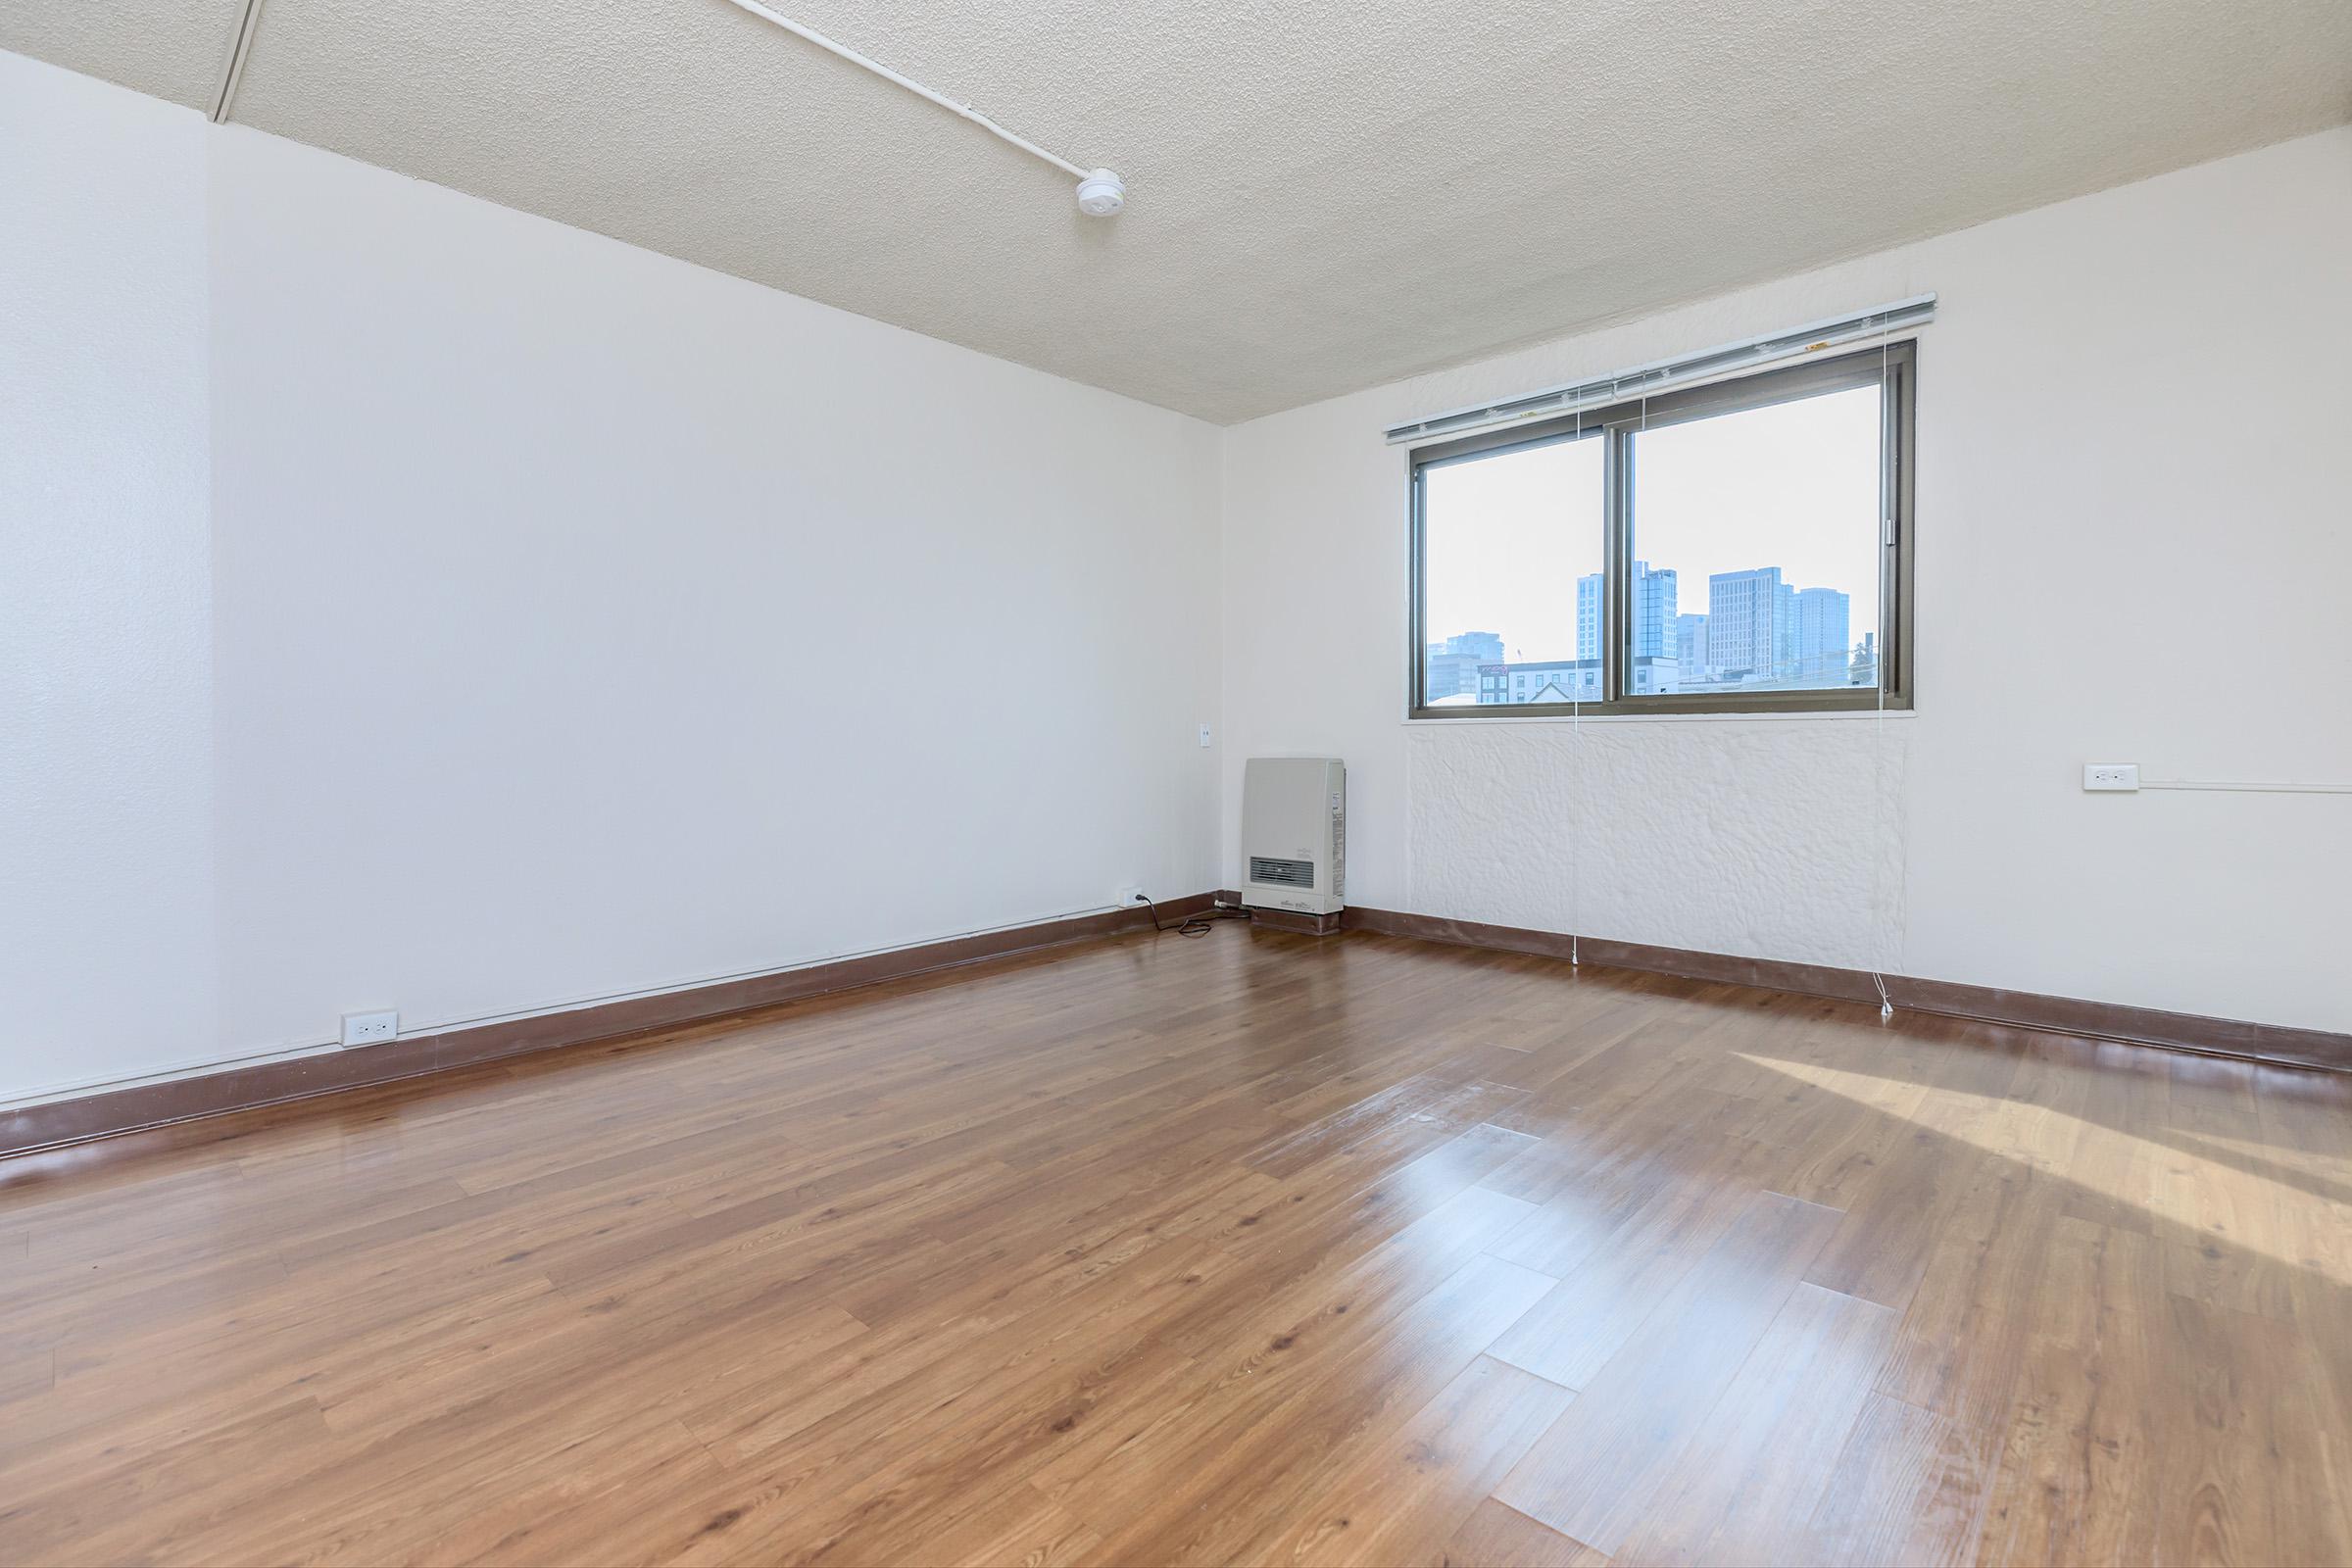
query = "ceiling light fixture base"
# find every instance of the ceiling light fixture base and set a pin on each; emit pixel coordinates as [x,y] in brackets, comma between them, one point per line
[1101,194]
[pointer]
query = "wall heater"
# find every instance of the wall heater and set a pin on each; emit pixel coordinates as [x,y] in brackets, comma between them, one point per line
[1294,834]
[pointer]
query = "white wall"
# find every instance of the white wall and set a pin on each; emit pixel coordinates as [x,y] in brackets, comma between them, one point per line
[412,602]
[106,907]
[2135,521]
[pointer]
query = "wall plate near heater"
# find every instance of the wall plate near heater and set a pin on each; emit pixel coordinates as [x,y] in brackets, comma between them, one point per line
[1294,834]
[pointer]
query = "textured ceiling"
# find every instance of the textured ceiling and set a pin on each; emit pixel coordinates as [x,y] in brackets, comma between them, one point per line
[175,49]
[1323,194]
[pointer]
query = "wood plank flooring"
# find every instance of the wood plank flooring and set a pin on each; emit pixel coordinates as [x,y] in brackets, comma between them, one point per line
[1254,1247]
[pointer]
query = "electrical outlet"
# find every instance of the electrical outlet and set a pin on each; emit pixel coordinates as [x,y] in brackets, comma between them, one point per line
[1127,895]
[369,1028]
[1204,735]
[2111,775]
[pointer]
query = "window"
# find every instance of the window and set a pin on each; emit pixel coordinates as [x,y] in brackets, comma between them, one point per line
[1735,548]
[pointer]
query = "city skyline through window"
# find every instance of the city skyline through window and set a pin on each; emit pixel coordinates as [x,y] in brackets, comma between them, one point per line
[1755,538]
[1769,518]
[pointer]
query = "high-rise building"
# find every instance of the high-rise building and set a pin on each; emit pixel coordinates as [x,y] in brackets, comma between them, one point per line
[1821,651]
[1448,674]
[1758,629]
[1589,617]
[1750,624]
[1690,651]
[1452,665]
[1653,613]
[1477,644]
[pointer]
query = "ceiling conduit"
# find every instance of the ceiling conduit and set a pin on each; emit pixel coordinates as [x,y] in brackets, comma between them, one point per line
[247,21]
[1100,193]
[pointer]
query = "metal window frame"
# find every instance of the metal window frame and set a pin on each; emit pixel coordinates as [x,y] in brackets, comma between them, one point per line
[1894,367]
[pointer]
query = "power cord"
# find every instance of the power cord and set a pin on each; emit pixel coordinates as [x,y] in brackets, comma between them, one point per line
[1193,925]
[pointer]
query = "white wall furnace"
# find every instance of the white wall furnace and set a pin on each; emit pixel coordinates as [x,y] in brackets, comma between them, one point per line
[1294,834]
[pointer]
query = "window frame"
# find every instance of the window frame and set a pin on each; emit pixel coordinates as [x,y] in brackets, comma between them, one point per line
[1896,367]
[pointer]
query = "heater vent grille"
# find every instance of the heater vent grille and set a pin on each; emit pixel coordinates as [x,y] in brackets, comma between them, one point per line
[1281,873]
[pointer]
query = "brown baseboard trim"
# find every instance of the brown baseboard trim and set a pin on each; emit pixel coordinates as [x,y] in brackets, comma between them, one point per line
[2276,1045]
[1812,979]
[107,1113]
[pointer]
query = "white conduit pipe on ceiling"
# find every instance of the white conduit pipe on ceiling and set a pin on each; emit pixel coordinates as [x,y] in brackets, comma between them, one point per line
[247,20]
[1086,177]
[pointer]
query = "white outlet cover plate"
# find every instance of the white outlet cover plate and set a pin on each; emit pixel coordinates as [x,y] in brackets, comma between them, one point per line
[2111,775]
[369,1028]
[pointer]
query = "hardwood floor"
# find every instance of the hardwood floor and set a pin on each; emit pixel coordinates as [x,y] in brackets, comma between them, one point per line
[1250,1248]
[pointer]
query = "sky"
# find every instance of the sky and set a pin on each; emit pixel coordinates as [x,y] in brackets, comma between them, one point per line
[1794,485]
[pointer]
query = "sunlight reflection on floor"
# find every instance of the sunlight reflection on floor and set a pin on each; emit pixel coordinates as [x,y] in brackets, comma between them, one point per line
[2251,1194]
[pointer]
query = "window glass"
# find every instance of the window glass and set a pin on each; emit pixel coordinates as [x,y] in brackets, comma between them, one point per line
[1720,548]
[1756,536]
[1512,546]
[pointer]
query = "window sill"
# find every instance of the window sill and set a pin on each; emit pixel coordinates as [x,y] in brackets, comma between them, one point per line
[1834,715]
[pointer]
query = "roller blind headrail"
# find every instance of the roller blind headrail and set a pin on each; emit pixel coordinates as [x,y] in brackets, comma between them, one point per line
[1660,376]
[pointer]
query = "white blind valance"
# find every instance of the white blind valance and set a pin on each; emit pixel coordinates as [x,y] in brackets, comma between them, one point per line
[1658,375]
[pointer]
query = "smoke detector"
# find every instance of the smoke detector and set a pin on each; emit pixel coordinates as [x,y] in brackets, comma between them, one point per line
[1101,194]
